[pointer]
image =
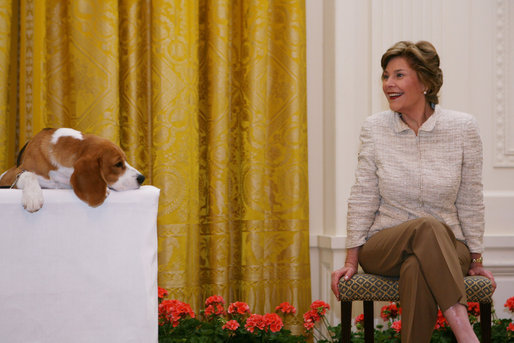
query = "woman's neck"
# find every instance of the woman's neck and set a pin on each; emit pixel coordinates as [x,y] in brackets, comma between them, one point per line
[415,119]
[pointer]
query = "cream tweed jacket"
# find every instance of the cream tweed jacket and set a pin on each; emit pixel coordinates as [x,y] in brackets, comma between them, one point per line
[401,176]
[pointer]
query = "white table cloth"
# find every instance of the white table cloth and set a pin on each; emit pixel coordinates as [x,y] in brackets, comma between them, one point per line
[72,273]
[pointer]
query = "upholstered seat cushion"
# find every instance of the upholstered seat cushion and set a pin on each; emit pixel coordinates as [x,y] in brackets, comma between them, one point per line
[372,287]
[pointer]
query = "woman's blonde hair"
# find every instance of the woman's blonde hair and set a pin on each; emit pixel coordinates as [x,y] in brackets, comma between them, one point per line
[423,58]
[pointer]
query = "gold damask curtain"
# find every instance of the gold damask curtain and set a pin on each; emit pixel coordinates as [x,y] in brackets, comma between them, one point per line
[208,99]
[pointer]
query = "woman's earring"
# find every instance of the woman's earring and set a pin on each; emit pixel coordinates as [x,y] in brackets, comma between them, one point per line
[425,92]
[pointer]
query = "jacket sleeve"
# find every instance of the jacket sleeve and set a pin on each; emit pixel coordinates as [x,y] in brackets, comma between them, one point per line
[364,196]
[470,199]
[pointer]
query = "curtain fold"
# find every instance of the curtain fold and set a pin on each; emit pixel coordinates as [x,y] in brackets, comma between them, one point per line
[135,84]
[8,82]
[208,99]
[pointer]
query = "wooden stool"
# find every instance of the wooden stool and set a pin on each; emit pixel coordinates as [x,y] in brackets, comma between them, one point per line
[370,287]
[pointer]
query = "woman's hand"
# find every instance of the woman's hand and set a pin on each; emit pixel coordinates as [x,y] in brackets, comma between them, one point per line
[350,268]
[478,269]
[347,272]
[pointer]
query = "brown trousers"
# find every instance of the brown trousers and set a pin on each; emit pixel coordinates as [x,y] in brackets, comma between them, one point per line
[431,265]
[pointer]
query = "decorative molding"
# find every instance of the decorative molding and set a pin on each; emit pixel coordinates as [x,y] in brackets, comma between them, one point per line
[336,244]
[504,111]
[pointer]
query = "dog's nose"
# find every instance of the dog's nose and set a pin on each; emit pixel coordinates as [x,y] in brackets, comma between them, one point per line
[140,179]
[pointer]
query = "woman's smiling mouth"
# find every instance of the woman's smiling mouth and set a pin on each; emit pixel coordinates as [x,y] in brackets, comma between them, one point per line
[394,96]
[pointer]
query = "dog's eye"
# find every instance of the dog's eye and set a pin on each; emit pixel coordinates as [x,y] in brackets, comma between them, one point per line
[119,165]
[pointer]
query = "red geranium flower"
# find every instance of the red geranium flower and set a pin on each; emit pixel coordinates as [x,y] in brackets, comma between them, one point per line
[320,307]
[231,325]
[214,309]
[273,322]
[308,325]
[510,327]
[441,321]
[397,326]
[389,311]
[214,306]
[510,304]
[286,308]
[255,321]
[359,319]
[162,292]
[173,311]
[310,318]
[473,309]
[239,308]
[214,299]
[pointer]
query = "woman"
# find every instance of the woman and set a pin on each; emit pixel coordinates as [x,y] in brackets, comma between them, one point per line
[416,210]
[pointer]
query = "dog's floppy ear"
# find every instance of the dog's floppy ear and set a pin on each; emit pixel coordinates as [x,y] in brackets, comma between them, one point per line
[10,176]
[87,181]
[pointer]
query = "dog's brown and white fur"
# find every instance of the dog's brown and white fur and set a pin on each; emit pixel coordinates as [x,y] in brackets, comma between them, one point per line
[66,158]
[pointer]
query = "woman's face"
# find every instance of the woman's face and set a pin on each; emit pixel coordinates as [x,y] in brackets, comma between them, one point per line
[402,87]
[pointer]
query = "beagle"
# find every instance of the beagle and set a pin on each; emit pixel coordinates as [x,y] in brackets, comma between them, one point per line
[66,158]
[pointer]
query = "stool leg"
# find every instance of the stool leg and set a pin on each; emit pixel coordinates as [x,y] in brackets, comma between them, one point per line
[346,321]
[485,322]
[369,327]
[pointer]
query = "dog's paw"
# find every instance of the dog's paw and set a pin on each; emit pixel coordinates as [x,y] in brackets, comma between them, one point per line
[32,195]
[32,200]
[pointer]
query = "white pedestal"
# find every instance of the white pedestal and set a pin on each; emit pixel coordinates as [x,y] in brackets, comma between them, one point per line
[72,273]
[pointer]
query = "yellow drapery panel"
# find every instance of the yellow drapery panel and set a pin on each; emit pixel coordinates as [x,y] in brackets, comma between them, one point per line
[7,124]
[208,99]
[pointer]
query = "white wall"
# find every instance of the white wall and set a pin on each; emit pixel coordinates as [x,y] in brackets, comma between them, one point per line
[345,41]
